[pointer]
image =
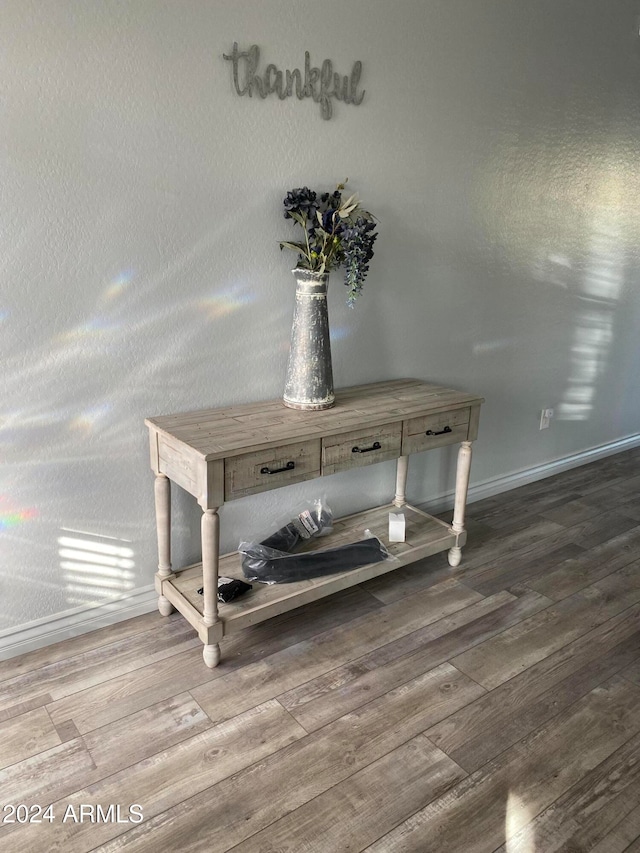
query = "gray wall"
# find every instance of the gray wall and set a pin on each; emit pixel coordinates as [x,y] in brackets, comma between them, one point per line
[498,143]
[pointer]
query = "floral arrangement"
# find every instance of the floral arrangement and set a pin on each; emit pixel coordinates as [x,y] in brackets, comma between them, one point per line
[336,233]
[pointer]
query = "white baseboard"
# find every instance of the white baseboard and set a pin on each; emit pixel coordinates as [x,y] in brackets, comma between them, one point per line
[62,626]
[498,485]
[71,623]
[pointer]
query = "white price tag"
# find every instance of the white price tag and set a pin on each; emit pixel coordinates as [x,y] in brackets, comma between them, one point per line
[306,525]
[396,527]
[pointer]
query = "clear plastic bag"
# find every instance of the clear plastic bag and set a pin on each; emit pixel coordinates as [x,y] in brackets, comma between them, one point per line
[316,519]
[273,561]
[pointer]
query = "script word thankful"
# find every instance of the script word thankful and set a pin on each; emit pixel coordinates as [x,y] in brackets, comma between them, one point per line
[321,84]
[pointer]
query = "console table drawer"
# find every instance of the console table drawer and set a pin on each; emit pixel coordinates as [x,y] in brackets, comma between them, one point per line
[361,447]
[435,431]
[268,469]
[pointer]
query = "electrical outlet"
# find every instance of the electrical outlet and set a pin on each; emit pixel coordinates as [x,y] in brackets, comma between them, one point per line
[545,418]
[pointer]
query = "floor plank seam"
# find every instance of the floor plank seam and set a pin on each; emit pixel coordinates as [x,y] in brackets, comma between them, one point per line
[42,752]
[337,784]
[533,817]
[470,677]
[91,641]
[66,730]
[103,650]
[557,803]
[188,735]
[21,708]
[531,733]
[380,601]
[109,676]
[396,660]
[588,629]
[607,676]
[464,772]
[293,718]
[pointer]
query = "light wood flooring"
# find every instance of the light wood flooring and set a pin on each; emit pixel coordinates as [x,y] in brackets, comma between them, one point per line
[495,707]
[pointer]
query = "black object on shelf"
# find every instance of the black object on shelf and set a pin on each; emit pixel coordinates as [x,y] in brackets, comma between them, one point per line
[228,589]
[268,566]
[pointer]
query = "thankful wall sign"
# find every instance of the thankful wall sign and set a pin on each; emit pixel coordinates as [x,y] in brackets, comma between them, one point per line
[323,84]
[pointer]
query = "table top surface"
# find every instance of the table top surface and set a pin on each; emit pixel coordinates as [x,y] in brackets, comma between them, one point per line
[216,433]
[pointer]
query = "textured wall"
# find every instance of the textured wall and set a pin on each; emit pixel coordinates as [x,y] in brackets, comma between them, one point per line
[498,143]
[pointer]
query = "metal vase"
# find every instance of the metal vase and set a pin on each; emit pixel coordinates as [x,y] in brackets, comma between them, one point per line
[309,382]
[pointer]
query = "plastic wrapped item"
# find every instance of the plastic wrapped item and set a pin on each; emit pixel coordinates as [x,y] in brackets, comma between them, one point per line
[268,566]
[315,520]
[272,561]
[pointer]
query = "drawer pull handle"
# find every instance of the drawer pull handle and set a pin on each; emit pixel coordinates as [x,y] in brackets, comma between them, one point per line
[288,467]
[442,431]
[375,446]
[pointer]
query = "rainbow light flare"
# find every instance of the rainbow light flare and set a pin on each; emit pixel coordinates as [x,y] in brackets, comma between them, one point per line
[118,285]
[10,517]
[225,302]
[96,326]
[90,418]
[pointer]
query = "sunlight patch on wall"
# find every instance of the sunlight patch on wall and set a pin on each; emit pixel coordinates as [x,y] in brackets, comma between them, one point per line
[96,569]
[94,326]
[568,226]
[487,347]
[594,323]
[339,333]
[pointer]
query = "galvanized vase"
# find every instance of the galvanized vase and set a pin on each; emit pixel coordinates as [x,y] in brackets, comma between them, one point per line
[309,382]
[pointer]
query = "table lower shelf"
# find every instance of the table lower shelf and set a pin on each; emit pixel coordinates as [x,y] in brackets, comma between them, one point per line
[425,536]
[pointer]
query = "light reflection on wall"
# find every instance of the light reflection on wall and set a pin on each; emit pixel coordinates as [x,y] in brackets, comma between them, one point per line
[339,333]
[95,569]
[567,218]
[82,398]
[594,323]
[94,326]
[71,429]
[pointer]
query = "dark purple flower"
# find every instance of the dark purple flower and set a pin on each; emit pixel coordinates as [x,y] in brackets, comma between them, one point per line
[328,222]
[357,250]
[302,201]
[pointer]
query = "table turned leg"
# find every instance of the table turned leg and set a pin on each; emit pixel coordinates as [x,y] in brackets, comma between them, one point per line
[462,486]
[402,469]
[211,655]
[163,526]
[210,554]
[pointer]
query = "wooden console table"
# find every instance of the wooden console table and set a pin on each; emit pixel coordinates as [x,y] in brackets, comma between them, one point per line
[220,455]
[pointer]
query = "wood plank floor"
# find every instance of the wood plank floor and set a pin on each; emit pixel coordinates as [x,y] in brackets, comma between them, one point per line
[494,707]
